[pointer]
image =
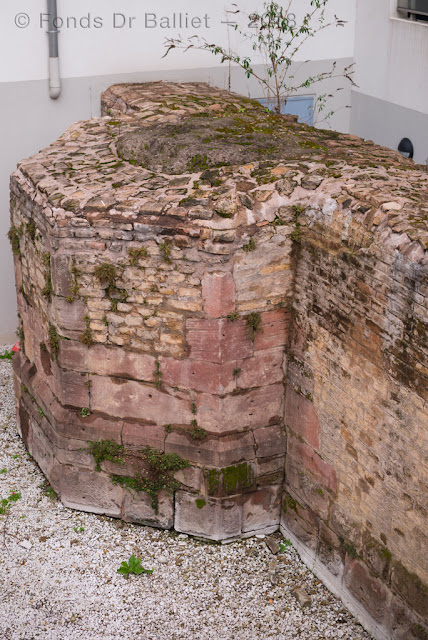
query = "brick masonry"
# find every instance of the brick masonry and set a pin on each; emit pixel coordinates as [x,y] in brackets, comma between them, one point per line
[266,321]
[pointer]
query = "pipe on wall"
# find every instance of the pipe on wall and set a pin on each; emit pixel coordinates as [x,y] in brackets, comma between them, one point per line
[54,74]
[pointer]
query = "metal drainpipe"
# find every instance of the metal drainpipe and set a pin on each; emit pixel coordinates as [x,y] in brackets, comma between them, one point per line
[54,75]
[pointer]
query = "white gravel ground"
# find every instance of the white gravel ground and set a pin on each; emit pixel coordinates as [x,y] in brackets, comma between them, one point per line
[59,580]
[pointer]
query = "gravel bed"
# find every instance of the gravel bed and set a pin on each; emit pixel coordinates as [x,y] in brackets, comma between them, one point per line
[59,580]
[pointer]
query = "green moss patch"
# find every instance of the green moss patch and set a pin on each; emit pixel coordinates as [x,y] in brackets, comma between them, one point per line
[160,468]
[229,480]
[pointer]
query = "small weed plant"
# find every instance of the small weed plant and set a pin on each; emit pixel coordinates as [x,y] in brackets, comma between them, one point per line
[48,490]
[159,475]
[6,503]
[133,566]
[106,450]
[283,546]
[254,321]
[197,433]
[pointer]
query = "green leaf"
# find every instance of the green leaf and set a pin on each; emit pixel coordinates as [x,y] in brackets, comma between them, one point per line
[133,566]
[124,569]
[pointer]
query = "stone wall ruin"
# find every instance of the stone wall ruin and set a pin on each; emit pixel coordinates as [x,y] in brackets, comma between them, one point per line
[223,326]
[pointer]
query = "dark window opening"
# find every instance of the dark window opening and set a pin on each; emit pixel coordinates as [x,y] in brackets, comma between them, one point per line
[414,9]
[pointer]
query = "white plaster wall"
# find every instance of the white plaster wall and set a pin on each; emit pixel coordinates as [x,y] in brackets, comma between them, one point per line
[391,55]
[91,51]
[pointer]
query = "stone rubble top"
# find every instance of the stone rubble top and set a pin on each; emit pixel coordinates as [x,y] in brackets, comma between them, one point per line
[81,179]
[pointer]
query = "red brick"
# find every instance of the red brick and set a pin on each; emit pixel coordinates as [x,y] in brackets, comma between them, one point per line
[218,292]
[301,418]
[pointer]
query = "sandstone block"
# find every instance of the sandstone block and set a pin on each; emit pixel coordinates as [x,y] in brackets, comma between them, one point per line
[300,520]
[309,491]
[218,292]
[270,441]
[263,369]
[137,508]
[134,400]
[274,330]
[112,361]
[255,408]
[91,428]
[261,509]
[368,589]
[68,317]
[90,491]
[301,417]
[200,376]
[304,455]
[218,340]
[138,436]
[217,519]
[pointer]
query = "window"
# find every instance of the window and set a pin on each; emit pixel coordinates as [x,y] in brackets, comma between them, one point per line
[414,9]
[300,106]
